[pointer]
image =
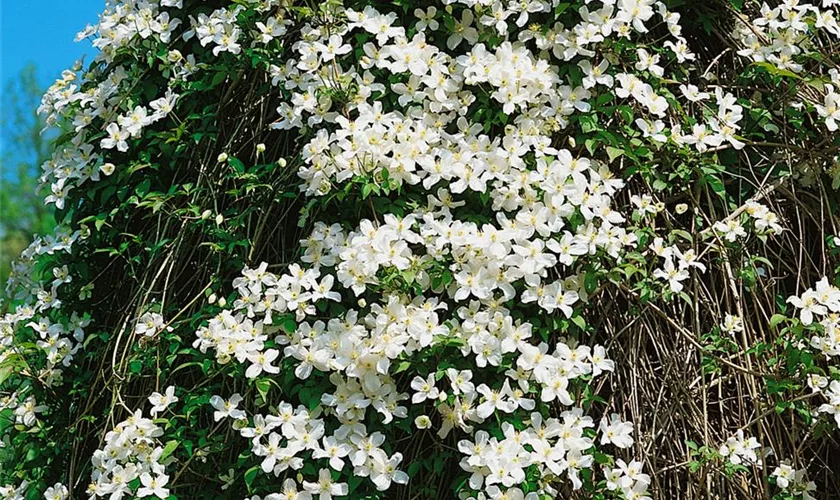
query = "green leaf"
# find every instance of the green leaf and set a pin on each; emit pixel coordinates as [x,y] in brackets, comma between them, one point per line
[716,185]
[588,123]
[776,319]
[561,8]
[237,165]
[143,188]
[5,373]
[263,385]
[613,153]
[168,449]
[251,474]
[773,70]
[218,78]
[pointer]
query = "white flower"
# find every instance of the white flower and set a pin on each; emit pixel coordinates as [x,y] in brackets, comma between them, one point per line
[425,389]
[227,408]
[740,449]
[732,324]
[672,275]
[150,324]
[261,362]
[116,138]
[153,485]
[426,19]
[809,305]
[56,492]
[616,432]
[107,168]
[162,401]
[833,405]
[422,422]
[325,488]
[334,47]
[692,93]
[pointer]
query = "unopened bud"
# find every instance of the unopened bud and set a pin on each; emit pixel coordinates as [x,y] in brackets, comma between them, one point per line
[206,214]
[219,219]
[222,302]
[107,168]
[260,148]
[281,162]
[174,56]
[222,158]
[212,298]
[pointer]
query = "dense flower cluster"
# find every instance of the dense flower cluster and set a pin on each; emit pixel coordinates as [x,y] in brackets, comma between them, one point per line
[786,37]
[536,188]
[763,220]
[793,480]
[56,341]
[131,452]
[820,306]
[740,449]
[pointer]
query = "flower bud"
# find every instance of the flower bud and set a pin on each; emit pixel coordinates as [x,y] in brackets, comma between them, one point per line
[219,219]
[212,298]
[260,148]
[281,162]
[206,214]
[174,56]
[222,158]
[423,422]
[222,302]
[107,168]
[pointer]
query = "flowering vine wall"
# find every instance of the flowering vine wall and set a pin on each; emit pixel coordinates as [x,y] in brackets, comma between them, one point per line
[473,249]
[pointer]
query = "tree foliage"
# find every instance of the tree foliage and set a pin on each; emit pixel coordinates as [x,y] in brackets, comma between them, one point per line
[22,210]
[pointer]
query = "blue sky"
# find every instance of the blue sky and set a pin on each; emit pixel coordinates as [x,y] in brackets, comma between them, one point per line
[42,31]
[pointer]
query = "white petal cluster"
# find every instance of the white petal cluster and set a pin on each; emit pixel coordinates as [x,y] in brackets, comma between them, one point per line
[629,479]
[793,480]
[130,452]
[12,492]
[823,301]
[676,264]
[820,308]
[783,38]
[741,450]
[282,439]
[57,492]
[833,405]
[763,220]
[150,324]
[26,412]
[37,298]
